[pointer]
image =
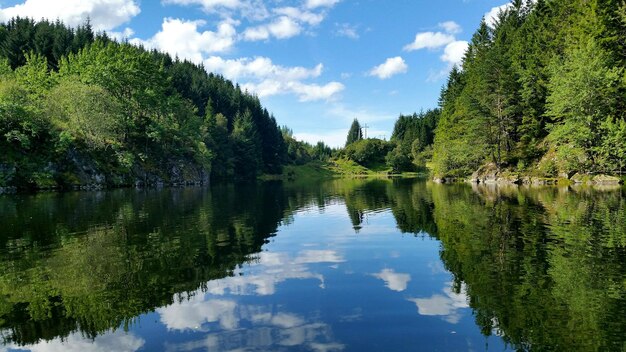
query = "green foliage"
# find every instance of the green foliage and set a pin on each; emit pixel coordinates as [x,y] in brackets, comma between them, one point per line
[583,93]
[246,145]
[399,160]
[70,275]
[413,135]
[548,79]
[367,152]
[88,114]
[354,133]
[72,101]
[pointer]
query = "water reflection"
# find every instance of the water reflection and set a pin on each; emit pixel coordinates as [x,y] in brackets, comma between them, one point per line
[345,265]
[109,341]
[447,305]
[393,281]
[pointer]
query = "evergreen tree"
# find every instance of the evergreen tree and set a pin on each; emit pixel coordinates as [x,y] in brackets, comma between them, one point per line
[68,95]
[355,133]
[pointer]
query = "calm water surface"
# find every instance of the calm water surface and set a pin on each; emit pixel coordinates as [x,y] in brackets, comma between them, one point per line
[345,265]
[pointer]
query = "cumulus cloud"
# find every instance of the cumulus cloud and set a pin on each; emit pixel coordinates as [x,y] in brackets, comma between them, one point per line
[301,15]
[453,49]
[430,40]
[184,39]
[454,52]
[287,22]
[451,27]
[394,281]
[208,5]
[312,4]
[266,22]
[389,68]
[264,78]
[104,14]
[250,9]
[281,28]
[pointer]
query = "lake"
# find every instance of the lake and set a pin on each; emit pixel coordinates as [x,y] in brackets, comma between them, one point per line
[341,265]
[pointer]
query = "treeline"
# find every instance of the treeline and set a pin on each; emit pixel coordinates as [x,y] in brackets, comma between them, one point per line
[542,92]
[78,107]
[300,153]
[408,150]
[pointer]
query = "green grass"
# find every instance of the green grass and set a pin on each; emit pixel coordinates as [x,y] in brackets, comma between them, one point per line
[310,171]
[335,169]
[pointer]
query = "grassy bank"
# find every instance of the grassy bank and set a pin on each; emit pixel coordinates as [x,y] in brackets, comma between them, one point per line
[336,169]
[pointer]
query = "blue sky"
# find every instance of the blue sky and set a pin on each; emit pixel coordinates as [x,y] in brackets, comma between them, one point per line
[315,64]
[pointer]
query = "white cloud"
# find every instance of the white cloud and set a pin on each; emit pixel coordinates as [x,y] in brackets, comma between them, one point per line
[259,67]
[266,79]
[251,9]
[318,256]
[447,306]
[454,52]
[451,27]
[429,40]
[453,49]
[289,22]
[347,30]
[110,341]
[391,67]
[183,38]
[312,4]
[281,28]
[192,314]
[491,17]
[284,27]
[104,14]
[394,281]
[127,33]
[274,268]
[314,92]
[303,16]
[208,5]
[265,328]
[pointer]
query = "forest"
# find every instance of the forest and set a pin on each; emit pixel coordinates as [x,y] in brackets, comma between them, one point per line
[541,92]
[77,107]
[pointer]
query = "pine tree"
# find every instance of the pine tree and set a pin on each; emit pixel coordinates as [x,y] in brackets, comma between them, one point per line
[355,133]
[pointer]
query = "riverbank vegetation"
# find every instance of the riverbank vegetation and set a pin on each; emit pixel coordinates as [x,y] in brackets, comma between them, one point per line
[540,92]
[79,108]
[539,96]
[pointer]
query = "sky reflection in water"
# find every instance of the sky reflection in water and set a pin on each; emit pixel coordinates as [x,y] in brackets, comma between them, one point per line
[350,265]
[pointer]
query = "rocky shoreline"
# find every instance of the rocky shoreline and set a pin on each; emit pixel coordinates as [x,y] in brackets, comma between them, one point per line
[80,173]
[489,175]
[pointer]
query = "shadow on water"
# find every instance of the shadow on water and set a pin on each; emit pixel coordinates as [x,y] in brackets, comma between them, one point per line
[543,268]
